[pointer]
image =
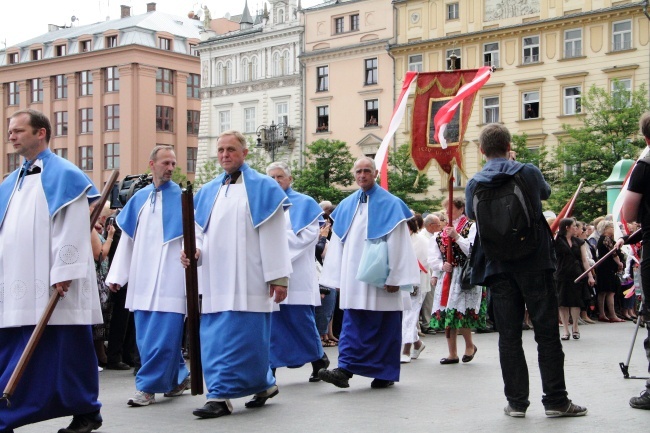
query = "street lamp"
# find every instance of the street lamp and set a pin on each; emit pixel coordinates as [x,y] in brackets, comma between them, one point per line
[273,136]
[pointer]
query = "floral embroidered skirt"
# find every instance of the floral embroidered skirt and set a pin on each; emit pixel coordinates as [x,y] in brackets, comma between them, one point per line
[464,309]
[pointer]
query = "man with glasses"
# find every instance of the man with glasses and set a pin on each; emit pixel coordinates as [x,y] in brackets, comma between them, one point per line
[371,334]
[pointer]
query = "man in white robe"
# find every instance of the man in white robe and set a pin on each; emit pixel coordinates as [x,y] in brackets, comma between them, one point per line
[294,338]
[370,340]
[45,247]
[245,264]
[147,259]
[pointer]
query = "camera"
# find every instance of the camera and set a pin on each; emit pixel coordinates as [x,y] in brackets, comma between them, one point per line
[123,191]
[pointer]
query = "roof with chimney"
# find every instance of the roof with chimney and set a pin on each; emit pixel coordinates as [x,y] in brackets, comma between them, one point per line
[137,29]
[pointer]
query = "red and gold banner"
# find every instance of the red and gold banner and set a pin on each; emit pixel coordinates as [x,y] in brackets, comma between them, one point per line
[434,90]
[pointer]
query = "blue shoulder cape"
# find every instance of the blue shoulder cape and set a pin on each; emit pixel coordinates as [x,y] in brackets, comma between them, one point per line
[172,211]
[62,181]
[304,210]
[264,197]
[385,212]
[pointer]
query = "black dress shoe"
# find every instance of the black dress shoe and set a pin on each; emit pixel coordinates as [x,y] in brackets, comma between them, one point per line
[83,423]
[117,366]
[317,366]
[213,409]
[449,361]
[336,377]
[468,358]
[381,383]
[260,398]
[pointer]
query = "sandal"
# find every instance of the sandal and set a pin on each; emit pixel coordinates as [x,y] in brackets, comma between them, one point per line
[328,343]
[565,337]
[576,336]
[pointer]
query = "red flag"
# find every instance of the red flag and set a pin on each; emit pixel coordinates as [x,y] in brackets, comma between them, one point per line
[433,92]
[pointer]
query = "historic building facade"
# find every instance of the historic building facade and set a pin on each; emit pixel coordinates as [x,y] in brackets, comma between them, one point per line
[349,74]
[112,90]
[547,54]
[251,79]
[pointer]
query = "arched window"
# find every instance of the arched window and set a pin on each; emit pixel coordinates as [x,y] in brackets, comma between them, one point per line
[277,71]
[286,63]
[245,71]
[254,68]
[220,74]
[228,72]
[280,16]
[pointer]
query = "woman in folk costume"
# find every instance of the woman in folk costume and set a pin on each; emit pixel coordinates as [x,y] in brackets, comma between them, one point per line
[463,309]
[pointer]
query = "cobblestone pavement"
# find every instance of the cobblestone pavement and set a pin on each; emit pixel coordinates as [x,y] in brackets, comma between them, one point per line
[430,397]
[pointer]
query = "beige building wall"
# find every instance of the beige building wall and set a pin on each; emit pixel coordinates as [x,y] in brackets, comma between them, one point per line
[344,52]
[612,44]
[137,98]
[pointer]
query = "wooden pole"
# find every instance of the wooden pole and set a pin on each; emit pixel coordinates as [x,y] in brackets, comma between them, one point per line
[192,291]
[51,305]
[446,282]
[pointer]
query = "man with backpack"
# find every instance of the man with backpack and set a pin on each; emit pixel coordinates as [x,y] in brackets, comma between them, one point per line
[508,194]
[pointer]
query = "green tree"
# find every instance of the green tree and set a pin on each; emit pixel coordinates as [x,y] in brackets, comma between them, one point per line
[328,169]
[403,180]
[609,133]
[179,177]
[206,173]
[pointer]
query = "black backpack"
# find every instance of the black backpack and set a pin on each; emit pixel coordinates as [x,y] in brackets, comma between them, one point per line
[505,220]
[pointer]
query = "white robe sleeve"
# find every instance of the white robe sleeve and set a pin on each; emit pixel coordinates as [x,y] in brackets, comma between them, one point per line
[331,274]
[306,238]
[198,233]
[434,259]
[121,264]
[275,248]
[402,262]
[70,247]
[464,243]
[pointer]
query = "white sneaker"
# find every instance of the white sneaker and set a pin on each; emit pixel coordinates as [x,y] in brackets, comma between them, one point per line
[142,398]
[99,369]
[416,352]
[405,358]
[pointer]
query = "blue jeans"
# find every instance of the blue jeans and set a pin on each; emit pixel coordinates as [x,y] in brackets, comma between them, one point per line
[324,312]
[512,293]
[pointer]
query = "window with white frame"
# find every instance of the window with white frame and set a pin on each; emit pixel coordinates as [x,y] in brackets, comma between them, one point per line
[572,100]
[531,50]
[452,11]
[371,71]
[249,119]
[85,83]
[622,35]
[415,63]
[245,70]
[339,24]
[621,91]
[228,73]
[37,89]
[254,68]
[491,54]
[530,105]
[286,63]
[13,93]
[224,121]
[572,43]
[282,113]
[277,65]
[455,62]
[491,109]
[322,78]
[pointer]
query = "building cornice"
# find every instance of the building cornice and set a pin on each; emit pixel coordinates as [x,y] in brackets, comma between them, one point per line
[516,30]
[247,39]
[380,44]
[252,86]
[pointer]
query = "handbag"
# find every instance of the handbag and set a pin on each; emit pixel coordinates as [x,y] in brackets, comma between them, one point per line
[466,273]
[373,268]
